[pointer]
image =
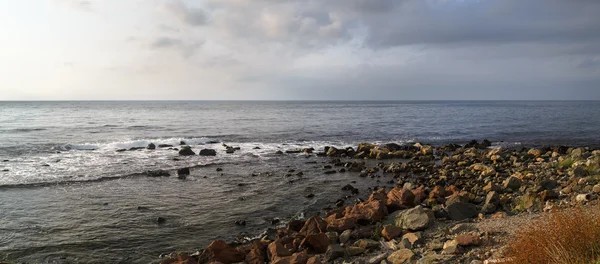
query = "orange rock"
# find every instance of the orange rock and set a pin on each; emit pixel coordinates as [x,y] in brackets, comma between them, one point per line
[468,240]
[438,193]
[391,231]
[420,194]
[257,254]
[498,215]
[220,251]
[317,242]
[299,258]
[378,195]
[372,210]
[450,190]
[276,250]
[314,225]
[340,225]
[400,198]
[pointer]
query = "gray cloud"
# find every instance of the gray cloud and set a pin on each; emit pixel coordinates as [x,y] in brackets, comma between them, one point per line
[186,49]
[166,42]
[189,16]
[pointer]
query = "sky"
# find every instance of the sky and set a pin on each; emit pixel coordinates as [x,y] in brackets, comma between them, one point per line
[300,50]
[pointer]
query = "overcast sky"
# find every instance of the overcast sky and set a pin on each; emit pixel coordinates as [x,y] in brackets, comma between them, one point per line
[299,49]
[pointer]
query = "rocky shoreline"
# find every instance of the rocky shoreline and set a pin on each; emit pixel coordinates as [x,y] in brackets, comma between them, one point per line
[438,212]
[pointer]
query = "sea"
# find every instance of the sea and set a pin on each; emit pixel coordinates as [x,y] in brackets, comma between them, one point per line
[73,187]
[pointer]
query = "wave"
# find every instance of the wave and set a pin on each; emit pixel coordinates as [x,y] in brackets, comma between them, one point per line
[22,130]
[137,143]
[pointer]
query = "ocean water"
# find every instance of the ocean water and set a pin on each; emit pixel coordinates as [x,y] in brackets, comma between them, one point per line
[68,196]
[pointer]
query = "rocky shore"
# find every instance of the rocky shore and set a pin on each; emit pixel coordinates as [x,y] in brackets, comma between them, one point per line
[449,204]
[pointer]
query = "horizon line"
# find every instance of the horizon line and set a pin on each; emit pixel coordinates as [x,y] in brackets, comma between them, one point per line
[305,100]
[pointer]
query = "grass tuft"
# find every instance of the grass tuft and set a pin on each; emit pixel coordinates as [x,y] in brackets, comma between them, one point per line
[565,163]
[569,236]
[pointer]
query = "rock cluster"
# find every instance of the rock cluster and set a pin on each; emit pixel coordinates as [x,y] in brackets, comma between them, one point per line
[433,185]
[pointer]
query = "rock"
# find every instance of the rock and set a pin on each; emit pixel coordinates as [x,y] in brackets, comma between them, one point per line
[317,242]
[400,198]
[367,244]
[333,237]
[341,224]
[334,251]
[158,173]
[433,259]
[372,210]
[365,147]
[377,259]
[528,200]
[240,222]
[314,260]
[207,152]
[460,211]
[165,146]
[220,251]
[350,188]
[402,256]
[451,247]
[549,195]
[353,251]
[183,171]
[390,232]
[492,198]
[596,188]
[299,258]
[314,225]
[258,253]
[534,152]
[186,151]
[582,197]
[277,250]
[160,220]
[468,240]
[345,236]
[151,146]
[413,238]
[463,228]
[295,225]
[414,219]
[512,183]
[484,169]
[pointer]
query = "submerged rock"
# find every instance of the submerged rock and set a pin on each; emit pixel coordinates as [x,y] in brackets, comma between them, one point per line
[207,152]
[186,151]
[151,146]
[158,173]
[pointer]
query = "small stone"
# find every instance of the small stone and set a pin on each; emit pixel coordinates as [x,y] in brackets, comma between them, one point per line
[353,251]
[460,211]
[345,236]
[367,244]
[391,231]
[451,247]
[468,240]
[463,228]
[402,256]
[334,251]
[512,183]
[596,188]
[377,259]
[219,169]
[240,222]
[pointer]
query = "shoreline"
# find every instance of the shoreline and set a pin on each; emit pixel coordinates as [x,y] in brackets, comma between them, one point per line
[451,186]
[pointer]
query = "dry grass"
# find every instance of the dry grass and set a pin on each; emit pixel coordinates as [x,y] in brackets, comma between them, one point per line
[569,236]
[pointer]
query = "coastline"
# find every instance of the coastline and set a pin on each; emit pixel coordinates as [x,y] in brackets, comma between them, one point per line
[441,195]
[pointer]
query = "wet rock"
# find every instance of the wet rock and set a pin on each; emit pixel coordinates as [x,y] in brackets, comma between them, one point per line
[296,225]
[186,151]
[330,172]
[350,188]
[279,152]
[220,251]
[240,222]
[160,220]
[219,169]
[207,152]
[183,172]
[151,146]
[165,146]
[460,211]
[402,256]
[158,173]
[310,195]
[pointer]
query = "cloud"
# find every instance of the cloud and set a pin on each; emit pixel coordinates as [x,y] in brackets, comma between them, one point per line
[190,16]
[166,42]
[82,5]
[186,49]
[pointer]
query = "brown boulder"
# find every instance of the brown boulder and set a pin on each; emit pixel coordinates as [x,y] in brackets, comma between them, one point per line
[340,225]
[391,231]
[257,254]
[317,242]
[299,258]
[314,260]
[372,210]
[468,240]
[277,250]
[220,251]
[400,198]
[314,225]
